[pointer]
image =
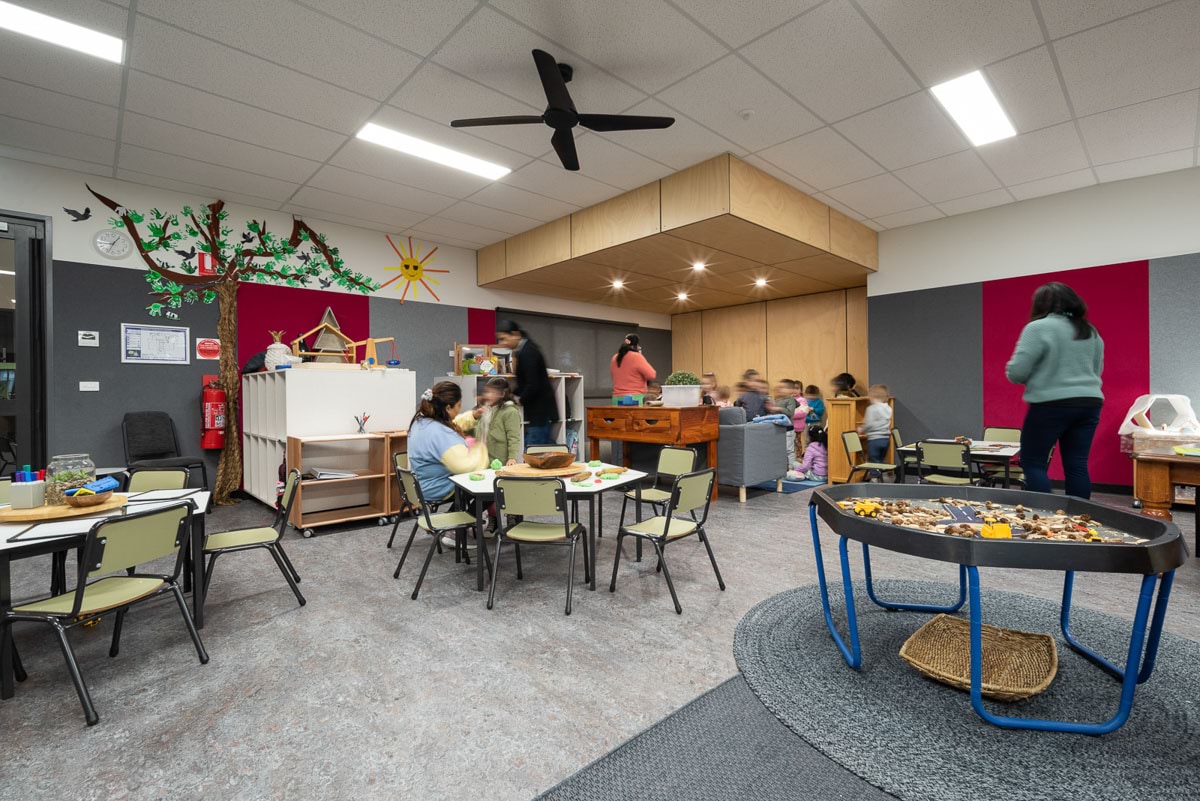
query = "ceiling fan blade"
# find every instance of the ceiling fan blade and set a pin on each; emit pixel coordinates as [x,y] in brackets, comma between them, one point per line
[564,146]
[623,122]
[524,119]
[553,84]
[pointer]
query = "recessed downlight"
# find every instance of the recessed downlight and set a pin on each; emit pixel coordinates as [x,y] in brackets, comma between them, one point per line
[760,282]
[973,105]
[60,32]
[681,296]
[698,265]
[618,283]
[431,152]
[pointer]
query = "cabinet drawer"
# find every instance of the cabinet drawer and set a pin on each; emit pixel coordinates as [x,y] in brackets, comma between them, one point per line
[665,424]
[599,424]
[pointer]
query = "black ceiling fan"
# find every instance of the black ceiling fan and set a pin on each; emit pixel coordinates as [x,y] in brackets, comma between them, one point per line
[561,115]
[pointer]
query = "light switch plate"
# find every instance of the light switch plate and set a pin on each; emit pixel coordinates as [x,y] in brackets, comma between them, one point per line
[89,386]
[89,339]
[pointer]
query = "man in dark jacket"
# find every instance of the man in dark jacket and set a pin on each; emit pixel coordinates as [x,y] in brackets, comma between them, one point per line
[533,386]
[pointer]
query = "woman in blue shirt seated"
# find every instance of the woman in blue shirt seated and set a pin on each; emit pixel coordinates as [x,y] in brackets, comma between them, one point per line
[436,448]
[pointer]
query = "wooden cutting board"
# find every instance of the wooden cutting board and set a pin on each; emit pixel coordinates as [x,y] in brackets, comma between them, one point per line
[60,511]
[526,471]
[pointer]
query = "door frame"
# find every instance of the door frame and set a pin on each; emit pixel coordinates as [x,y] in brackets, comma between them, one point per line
[37,285]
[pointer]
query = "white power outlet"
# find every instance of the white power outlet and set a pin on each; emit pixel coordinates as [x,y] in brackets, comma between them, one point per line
[89,386]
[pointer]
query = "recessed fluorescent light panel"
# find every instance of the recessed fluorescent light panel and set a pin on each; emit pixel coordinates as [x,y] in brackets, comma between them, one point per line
[60,32]
[431,152]
[975,108]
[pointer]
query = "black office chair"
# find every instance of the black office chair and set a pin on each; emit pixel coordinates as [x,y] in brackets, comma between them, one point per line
[152,441]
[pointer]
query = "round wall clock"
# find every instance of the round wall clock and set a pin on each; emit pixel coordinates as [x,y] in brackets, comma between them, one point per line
[112,244]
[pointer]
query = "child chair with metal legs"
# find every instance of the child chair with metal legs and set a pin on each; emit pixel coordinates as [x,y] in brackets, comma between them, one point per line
[434,523]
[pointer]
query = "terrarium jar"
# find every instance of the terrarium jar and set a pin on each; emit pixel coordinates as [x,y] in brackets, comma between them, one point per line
[66,472]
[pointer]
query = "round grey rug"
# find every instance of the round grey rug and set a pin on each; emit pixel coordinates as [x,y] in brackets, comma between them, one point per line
[922,741]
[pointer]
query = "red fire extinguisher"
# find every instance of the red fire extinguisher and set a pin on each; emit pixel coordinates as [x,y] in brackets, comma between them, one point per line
[212,424]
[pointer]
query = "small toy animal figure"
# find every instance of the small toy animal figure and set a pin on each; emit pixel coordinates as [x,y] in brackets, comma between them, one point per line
[79,216]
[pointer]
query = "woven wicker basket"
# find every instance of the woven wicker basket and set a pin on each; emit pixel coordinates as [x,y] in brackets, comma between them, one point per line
[1016,664]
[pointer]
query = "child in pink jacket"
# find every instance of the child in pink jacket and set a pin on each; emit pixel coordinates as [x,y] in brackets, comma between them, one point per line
[815,465]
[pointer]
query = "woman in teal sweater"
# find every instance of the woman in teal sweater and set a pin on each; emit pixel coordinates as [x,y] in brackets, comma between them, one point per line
[1059,358]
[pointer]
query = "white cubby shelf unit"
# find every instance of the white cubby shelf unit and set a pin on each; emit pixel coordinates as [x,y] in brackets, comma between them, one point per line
[568,397]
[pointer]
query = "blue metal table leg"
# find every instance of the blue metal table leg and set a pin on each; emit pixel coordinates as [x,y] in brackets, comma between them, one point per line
[1128,684]
[852,653]
[962,591]
[1156,623]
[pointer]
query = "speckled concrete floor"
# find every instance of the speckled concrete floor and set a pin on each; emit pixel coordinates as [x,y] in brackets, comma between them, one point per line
[366,694]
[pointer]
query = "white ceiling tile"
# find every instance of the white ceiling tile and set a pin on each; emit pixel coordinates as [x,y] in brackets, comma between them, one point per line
[44,139]
[378,190]
[984,200]
[1053,184]
[171,138]
[1138,58]
[442,239]
[179,56]
[823,158]
[838,205]
[602,159]
[1027,87]
[942,39]
[717,94]
[620,35]
[832,61]
[394,218]
[518,201]
[875,197]
[874,226]
[392,165]
[458,98]
[444,135]
[509,223]
[553,181]
[770,169]
[683,144]
[910,217]
[294,37]
[1147,165]
[734,26]
[203,174]
[1144,129]
[440,226]
[949,177]
[1049,151]
[34,157]
[904,132]
[1065,17]
[198,192]
[420,27]
[309,215]
[493,50]
[62,111]
[58,69]
[155,97]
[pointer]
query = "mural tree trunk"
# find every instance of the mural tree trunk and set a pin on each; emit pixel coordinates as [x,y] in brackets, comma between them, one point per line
[210,271]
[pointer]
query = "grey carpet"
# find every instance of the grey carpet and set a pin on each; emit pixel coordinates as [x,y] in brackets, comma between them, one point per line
[922,741]
[723,745]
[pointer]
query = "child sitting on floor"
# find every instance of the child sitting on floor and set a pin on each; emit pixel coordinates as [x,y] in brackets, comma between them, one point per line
[815,465]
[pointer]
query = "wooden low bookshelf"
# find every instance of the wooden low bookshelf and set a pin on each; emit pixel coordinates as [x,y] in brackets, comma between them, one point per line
[331,501]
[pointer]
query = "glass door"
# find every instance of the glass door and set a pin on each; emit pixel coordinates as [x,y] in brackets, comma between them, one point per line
[22,345]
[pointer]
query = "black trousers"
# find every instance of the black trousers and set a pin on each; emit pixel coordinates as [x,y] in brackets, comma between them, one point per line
[1072,429]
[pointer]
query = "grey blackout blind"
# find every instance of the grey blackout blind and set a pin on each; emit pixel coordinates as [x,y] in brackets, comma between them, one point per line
[575,345]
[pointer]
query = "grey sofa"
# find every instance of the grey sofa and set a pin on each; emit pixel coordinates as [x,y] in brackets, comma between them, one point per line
[749,453]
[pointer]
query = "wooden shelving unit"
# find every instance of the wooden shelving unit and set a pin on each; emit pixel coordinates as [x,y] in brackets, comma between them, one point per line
[569,429]
[326,502]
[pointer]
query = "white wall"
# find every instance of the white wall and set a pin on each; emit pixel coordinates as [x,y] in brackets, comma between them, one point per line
[38,189]
[1142,218]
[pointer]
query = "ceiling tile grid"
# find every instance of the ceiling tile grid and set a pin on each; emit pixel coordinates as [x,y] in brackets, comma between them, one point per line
[260,101]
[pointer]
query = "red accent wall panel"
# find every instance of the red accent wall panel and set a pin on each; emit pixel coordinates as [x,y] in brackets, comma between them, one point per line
[1118,298]
[481,327]
[263,308]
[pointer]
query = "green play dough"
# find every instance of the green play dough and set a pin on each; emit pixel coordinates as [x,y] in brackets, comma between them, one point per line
[609,476]
[477,476]
[595,463]
[496,464]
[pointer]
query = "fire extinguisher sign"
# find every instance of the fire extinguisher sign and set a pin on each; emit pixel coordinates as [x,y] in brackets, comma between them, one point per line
[208,348]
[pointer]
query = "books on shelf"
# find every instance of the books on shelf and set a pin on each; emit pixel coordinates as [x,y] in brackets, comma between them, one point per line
[325,473]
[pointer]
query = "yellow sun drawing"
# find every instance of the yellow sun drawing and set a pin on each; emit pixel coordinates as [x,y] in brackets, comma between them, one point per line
[412,269]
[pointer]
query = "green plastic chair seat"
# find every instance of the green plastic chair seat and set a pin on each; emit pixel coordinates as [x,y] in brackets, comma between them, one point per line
[655,525]
[875,466]
[651,495]
[441,521]
[537,532]
[937,478]
[103,594]
[239,537]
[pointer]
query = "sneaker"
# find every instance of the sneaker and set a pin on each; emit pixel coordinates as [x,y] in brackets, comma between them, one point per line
[449,542]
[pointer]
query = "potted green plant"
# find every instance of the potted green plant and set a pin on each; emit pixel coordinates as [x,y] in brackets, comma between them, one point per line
[682,388]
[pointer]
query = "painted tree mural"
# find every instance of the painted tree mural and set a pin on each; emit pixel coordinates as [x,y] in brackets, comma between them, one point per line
[192,257]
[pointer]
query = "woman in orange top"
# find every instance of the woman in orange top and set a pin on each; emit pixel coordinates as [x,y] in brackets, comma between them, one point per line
[630,371]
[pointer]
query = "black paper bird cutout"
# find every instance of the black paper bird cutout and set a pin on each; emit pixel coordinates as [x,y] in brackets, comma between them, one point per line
[187,255]
[79,216]
[304,257]
[247,238]
[325,283]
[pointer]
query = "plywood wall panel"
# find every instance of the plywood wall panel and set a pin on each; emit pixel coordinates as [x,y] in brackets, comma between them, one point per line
[490,263]
[546,244]
[852,240]
[806,338]
[687,337]
[767,201]
[856,334]
[624,218]
[695,194]
[734,340]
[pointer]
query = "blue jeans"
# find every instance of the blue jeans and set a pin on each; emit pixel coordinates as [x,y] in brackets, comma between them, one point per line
[876,452]
[537,434]
[1072,427]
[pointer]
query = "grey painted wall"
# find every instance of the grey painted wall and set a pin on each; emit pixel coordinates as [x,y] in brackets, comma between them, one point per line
[927,346]
[1175,326]
[425,334]
[95,297]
